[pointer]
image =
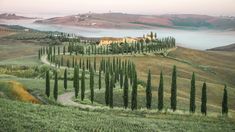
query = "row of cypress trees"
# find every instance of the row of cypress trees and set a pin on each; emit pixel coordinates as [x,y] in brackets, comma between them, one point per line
[173,97]
[114,73]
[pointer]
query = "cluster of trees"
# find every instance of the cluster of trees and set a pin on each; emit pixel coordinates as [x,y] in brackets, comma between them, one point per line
[75,47]
[123,48]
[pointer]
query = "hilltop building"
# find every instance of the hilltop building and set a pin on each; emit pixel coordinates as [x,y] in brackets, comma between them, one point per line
[111,40]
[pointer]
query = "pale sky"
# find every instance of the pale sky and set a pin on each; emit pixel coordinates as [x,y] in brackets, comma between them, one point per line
[65,7]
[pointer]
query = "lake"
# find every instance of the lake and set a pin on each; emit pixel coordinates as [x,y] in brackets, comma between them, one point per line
[196,39]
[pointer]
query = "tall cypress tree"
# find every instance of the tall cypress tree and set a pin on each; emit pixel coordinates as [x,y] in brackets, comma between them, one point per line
[83,85]
[107,88]
[92,84]
[160,93]
[56,86]
[47,83]
[125,92]
[174,90]
[100,78]
[192,95]
[75,77]
[149,91]
[204,99]
[225,102]
[65,79]
[121,78]
[76,86]
[111,86]
[134,92]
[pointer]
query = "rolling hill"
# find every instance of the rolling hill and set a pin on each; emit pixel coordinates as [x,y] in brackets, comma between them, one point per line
[121,20]
[230,47]
[12,16]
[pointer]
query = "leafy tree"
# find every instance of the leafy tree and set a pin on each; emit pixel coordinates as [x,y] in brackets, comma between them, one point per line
[148,91]
[65,79]
[92,84]
[83,85]
[204,99]
[47,83]
[173,90]
[160,93]
[225,102]
[192,95]
[134,93]
[125,92]
[56,86]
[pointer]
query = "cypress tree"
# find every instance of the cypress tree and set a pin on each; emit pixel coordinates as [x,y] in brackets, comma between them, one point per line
[173,90]
[225,102]
[107,88]
[92,84]
[204,99]
[148,91]
[95,64]
[121,78]
[56,86]
[100,78]
[192,95]
[160,93]
[134,93]
[76,86]
[83,85]
[75,77]
[125,92]
[47,84]
[64,50]
[65,79]
[111,86]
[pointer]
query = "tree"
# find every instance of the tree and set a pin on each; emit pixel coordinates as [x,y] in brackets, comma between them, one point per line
[225,102]
[107,88]
[160,93]
[100,78]
[148,91]
[56,86]
[125,92]
[92,84]
[174,90]
[47,83]
[83,85]
[111,86]
[192,95]
[65,79]
[121,78]
[76,81]
[204,99]
[134,92]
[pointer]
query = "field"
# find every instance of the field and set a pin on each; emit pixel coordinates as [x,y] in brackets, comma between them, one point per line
[56,118]
[19,64]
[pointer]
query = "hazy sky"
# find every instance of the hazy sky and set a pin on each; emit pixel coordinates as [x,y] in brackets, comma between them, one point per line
[63,7]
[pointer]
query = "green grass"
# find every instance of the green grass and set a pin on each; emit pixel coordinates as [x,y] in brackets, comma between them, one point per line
[17,116]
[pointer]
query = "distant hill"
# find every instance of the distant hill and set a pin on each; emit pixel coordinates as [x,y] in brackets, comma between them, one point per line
[12,16]
[230,47]
[121,20]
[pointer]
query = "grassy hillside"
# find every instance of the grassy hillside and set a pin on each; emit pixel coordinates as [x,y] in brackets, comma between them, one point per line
[16,91]
[30,117]
[204,64]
